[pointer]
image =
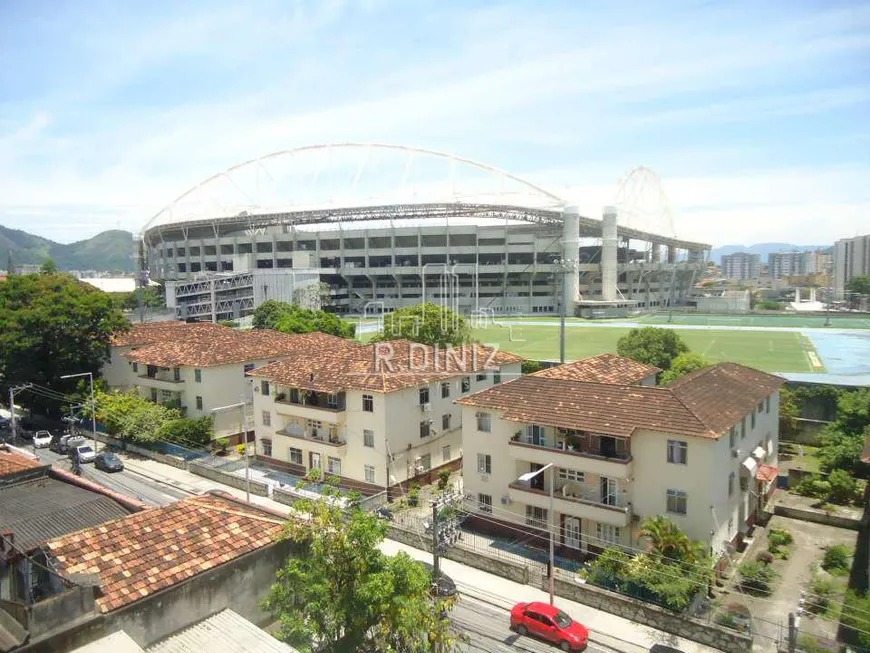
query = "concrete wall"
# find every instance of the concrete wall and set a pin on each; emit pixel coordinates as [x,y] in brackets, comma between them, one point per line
[178,463]
[257,488]
[118,370]
[818,517]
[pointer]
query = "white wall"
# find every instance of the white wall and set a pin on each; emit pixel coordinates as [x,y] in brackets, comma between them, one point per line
[118,370]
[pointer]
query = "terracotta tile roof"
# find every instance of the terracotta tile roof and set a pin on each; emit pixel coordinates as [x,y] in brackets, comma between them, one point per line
[381,367]
[604,368]
[705,404]
[767,473]
[15,463]
[233,346]
[147,552]
[146,333]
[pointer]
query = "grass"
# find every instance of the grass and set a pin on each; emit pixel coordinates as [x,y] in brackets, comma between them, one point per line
[788,452]
[696,319]
[772,351]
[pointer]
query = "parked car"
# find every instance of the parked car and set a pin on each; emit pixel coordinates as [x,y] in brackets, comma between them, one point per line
[84,453]
[549,623]
[108,462]
[41,439]
[63,443]
[443,587]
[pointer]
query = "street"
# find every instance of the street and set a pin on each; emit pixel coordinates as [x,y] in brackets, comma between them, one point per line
[487,629]
[126,482]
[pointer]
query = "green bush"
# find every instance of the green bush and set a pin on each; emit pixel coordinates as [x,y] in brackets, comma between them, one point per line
[836,559]
[726,620]
[814,486]
[822,590]
[779,537]
[443,479]
[845,489]
[757,577]
[856,616]
[222,444]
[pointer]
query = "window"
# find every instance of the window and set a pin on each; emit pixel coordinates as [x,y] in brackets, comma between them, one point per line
[267,418]
[753,420]
[370,473]
[678,452]
[767,405]
[536,517]
[760,406]
[176,374]
[743,426]
[481,376]
[180,251]
[264,388]
[572,475]
[199,403]
[496,377]
[608,533]
[445,453]
[445,390]
[295,456]
[332,401]
[165,396]
[424,395]
[197,376]
[426,462]
[368,438]
[732,436]
[333,466]
[267,447]
[368,402]
[484,422]
[484,463]
[466,383]
[484,502]
[313,427]
[744,484]
[677,502]
[445,422]
[425,430]
[731,484]
[154,394]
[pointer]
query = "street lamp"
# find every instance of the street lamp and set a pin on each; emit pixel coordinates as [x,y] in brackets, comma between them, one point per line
[90,376]
[527,477]
[242,430]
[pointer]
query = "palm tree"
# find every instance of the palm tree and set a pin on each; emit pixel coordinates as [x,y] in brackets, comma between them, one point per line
[667,540]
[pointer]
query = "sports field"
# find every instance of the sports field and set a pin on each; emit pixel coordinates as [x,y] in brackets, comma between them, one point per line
[837,320]
[772,351]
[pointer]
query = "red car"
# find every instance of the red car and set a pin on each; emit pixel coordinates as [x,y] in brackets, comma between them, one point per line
[550,623]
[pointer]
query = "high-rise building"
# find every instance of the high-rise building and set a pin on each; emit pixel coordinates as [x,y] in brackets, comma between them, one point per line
[851,259]
[741,265]
[788,264]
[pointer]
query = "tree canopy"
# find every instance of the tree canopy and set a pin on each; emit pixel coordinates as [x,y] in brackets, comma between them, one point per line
[682,365]
[652,346]
[52,324]
[128,416]
[344,594]
[291,318]
[427,323]
[860,285]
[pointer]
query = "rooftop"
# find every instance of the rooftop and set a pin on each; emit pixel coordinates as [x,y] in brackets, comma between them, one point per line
[604,368]
[225,346]
[146,333]
[224,632]
[13,462]
[46,508]
[149,551]
[381,367]
[704,403]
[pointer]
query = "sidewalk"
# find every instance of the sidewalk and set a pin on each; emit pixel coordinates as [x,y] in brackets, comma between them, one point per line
[605,629]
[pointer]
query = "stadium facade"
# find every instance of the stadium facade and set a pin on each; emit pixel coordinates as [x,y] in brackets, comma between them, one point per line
[484,255]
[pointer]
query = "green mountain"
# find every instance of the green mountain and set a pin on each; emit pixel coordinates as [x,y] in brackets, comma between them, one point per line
[107,251]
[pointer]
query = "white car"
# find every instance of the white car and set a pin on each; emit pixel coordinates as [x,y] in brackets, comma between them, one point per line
[41,439]
[85,453]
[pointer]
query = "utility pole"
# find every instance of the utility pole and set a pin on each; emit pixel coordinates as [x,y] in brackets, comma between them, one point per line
[12,392]
[564,308]
[436,531]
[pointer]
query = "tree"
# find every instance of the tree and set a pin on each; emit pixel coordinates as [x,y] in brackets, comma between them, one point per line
[48,267]
[290,318]
[427,323]
[840,450]
[341,593]
[860,285]
[853,411]
[129,416]
[682,365]
[788,412]
[652,346]
[667,540]
[51,325]
[187,432]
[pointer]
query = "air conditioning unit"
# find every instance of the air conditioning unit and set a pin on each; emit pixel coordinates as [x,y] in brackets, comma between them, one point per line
[506,499]
[735,453]
[426,408]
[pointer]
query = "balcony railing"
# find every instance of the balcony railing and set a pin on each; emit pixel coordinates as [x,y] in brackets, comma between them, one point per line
[321,402]
[564,447]
[313,436]
[577,493]
[166,378]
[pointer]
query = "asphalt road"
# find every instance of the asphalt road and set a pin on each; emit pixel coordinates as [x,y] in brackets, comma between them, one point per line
[126,482]
[487,629]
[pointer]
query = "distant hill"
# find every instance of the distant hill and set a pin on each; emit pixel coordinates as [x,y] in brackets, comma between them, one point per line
[760,248]
[107,251]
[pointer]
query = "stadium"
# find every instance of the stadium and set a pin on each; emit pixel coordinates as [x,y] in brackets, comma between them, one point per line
[376,227]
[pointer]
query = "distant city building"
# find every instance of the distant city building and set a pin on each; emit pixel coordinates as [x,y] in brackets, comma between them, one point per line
[741,265]
[851,259]
[789,264]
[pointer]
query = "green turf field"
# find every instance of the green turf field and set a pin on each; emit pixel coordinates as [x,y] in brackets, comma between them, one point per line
[773,351]
[837,321]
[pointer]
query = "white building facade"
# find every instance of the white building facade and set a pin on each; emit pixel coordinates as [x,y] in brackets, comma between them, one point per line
[701,451]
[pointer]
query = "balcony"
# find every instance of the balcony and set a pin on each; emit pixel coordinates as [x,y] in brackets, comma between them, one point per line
[595,460]
[312,405]
[160,378]
[579,501]
[317,439]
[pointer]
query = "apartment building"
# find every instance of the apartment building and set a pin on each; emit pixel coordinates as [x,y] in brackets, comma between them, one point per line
[375,415]
[204,368]
[851,259]
[701,451]
[741,265]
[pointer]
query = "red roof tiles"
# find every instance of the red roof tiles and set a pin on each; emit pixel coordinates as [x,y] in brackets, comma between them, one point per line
[767,473]
[604,368]
[14,463]
[704,404]
[146,333]
[147,552]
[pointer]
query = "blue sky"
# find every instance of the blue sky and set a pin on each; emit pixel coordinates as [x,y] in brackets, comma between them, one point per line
[756,115]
